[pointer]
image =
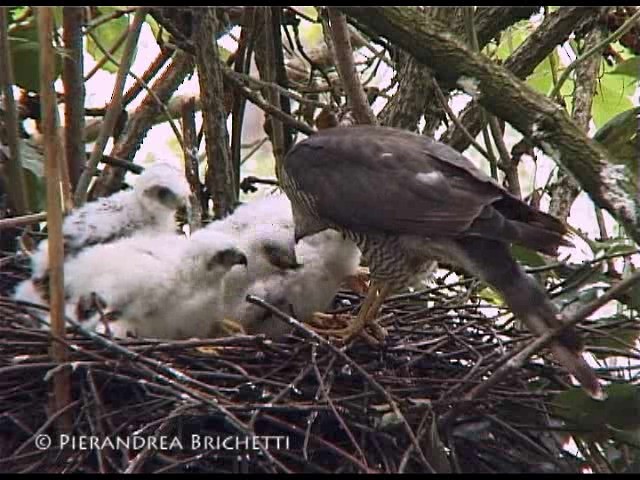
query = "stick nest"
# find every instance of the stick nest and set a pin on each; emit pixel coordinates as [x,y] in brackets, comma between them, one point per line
[310,409]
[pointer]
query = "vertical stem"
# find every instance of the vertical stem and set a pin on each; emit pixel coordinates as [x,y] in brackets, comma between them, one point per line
[191,167]
[16,183]
[49,113]
[347,70]
[114,109]
[270,75]
[220,177]
[74,92]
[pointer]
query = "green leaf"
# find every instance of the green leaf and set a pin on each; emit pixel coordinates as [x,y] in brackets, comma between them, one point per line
[591,418]
[528,257]
[610,99]
[490,295]
[25,57]
[512,38]
[627,332]
[629,67]
[107,35]
[620,135]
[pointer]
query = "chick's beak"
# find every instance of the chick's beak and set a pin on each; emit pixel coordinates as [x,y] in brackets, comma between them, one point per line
[284,259]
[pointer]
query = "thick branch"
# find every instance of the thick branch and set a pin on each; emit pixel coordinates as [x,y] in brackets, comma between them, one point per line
[416,89]
[554,30]
[503,94]
[219,180]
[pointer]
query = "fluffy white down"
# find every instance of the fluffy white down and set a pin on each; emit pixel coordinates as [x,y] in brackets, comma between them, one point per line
[120,215]
[326,258]
[164,286]
[264,222]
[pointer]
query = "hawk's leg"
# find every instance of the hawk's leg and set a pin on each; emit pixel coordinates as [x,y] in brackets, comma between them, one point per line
[366,317]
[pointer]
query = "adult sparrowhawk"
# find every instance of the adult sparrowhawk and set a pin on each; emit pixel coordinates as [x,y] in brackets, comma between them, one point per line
[405,200]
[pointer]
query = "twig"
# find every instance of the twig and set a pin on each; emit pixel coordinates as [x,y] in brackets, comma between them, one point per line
[506,164]
[16,184]
[346,69]
[114,109]
[565,190]
[517,359]
[151,71]
[22,220]
[143,84]
[341,353]
[62,380]
[74,93]
[454,118]
[105,58]
[269,108]
[626,26]
[141,120]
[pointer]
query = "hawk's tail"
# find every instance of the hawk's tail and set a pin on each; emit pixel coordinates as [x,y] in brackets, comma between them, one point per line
[492,261]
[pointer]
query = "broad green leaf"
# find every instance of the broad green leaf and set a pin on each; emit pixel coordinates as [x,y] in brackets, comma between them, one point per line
[541,80]
[591,418]
[491,296]
[25,57]
[629,67]
[107,35]
[620,136]
[15,13]
[511,39]
[627,332]
[528,257]
[610,99]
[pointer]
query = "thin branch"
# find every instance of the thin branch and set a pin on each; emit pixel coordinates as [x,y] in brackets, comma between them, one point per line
[346,69]
[191,166]
[532,114]
[74,92]
[342,354]
[615,36]
[267,107]
[16,184]
[151,71]
[62,380]
[114,109]
[23,220]
[150,91]
[280,72]
[141,120]
[554,29]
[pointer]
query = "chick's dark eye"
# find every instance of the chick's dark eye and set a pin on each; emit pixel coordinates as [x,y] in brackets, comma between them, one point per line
[164,194]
